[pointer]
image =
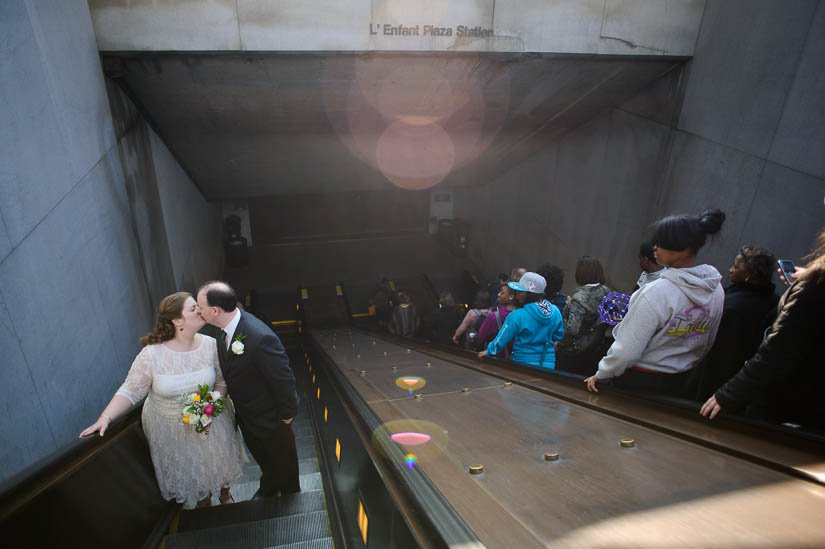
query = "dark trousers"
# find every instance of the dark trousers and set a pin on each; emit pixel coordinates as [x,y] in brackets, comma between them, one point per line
[671,385]
[278,457]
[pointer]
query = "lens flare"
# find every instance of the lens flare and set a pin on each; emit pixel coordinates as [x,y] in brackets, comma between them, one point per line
[416,120]
[410,460]
[410,383]
[428,439]
[410,439]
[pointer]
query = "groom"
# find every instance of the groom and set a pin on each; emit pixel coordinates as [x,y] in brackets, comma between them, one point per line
[261,384]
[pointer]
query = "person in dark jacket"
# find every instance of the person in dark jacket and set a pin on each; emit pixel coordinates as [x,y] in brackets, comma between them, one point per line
[554,276]
[750,308]
[404,319]
[261,384]
[784,381]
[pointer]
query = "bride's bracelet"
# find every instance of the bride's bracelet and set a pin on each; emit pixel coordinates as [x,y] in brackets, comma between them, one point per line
[107,417]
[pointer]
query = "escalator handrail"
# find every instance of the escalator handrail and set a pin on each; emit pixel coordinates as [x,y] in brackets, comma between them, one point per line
[452,530]
[682,408]
[24,487]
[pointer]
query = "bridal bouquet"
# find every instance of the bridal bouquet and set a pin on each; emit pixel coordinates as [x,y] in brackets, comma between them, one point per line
[201,407]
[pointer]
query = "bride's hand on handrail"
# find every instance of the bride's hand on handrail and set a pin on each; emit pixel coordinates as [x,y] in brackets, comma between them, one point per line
[100,426]
[116,408]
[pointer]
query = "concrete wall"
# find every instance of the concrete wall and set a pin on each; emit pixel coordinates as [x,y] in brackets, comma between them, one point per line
[588,193]
[751,132]
[76,262]
[742,128]
[193,225]
[623,27]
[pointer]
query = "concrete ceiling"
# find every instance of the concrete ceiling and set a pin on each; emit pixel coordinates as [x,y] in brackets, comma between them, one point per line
[248,125]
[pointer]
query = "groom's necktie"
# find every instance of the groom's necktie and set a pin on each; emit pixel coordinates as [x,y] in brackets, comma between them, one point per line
[222,341]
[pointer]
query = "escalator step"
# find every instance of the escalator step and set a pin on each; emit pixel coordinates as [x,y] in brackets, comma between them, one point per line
[306,452]
[247,511]
[304,441]
[253,472]
[255,534]
[325,543]
[302,430]
[309,465]
[311,481]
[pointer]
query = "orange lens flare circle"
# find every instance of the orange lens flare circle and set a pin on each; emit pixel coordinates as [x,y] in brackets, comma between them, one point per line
[410,383]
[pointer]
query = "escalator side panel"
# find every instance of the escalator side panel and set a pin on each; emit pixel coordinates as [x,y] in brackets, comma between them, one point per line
[112,501]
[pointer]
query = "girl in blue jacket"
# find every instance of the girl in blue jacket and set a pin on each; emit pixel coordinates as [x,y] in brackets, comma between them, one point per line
[535,326]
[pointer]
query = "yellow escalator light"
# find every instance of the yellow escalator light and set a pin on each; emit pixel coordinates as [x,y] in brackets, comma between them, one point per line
[363,521]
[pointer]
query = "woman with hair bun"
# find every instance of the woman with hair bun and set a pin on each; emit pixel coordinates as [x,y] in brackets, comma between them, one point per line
[671,322]
[175,359]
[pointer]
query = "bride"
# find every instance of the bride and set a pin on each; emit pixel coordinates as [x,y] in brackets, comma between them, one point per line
[176,359]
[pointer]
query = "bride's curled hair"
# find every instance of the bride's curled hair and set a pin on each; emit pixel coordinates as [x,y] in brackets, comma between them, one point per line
[170,308]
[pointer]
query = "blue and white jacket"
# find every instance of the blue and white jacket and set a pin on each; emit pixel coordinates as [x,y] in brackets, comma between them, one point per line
[531,326]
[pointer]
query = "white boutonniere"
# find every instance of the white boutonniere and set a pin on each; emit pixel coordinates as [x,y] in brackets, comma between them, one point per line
[237,344]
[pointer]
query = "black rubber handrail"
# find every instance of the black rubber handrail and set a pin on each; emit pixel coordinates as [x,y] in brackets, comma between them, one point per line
[27,485]
[430,503]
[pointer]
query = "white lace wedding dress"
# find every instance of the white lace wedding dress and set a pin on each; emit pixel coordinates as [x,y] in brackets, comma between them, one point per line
[188,465]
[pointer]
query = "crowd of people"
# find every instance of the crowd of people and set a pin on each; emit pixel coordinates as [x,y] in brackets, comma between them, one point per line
[738,348]
[741,348]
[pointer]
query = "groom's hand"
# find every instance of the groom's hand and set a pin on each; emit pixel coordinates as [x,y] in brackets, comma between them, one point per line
[288,421]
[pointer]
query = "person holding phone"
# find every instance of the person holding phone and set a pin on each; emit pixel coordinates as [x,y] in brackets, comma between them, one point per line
[785,380]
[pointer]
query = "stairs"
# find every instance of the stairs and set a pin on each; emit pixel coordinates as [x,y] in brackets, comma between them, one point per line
[294,520]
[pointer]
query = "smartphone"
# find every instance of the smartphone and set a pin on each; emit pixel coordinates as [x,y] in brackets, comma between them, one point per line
[788,268]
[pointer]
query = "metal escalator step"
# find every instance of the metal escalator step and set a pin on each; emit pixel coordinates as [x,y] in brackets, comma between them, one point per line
[325,543]
[247,511]
[306,452]
[255,534]
[308,465]
[305,441]
[253,472]
[302,430]
[311,481]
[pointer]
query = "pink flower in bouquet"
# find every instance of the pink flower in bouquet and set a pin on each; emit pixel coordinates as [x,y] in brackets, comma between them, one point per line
[208,410]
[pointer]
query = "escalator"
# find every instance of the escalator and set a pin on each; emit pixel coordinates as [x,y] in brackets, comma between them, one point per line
[293,520]
[101,492]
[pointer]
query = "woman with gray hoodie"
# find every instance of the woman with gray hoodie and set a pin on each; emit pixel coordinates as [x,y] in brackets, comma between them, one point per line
[671,322]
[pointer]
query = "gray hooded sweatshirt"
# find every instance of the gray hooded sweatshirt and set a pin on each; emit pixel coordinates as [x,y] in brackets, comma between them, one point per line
[670,324]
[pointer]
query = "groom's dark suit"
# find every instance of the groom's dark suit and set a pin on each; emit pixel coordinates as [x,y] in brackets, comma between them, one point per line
[262,387]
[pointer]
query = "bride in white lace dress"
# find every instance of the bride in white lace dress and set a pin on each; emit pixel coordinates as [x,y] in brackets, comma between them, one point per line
[176,359]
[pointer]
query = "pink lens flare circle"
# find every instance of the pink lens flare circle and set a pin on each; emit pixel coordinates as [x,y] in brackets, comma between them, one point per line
[410,439]
[426,439]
